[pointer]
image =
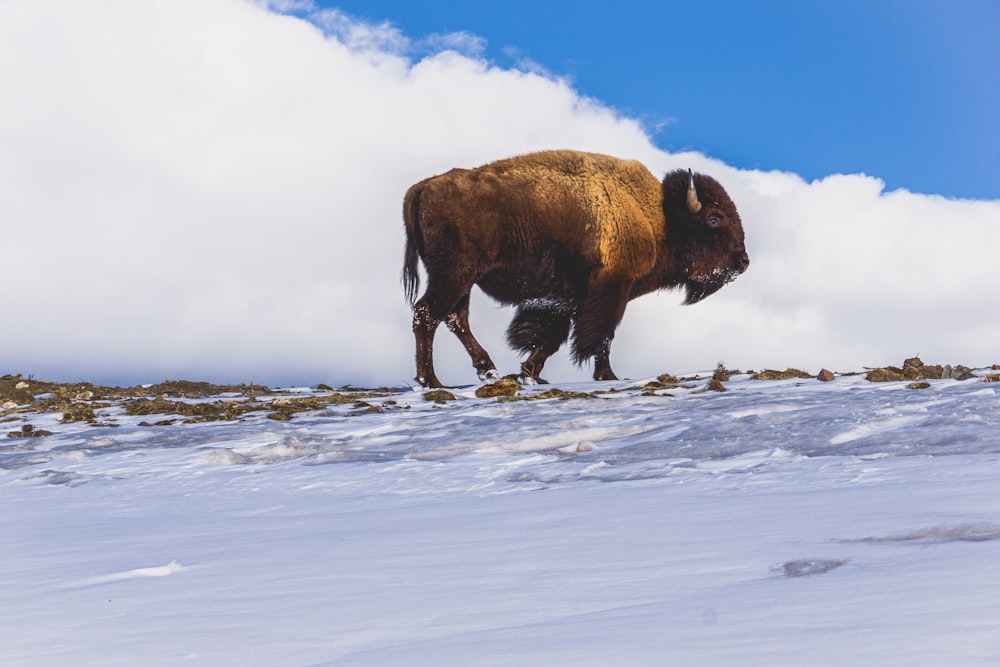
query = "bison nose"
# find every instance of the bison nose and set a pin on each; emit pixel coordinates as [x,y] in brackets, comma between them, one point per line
[741,261]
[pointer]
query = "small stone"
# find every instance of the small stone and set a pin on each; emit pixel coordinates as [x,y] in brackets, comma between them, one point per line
[21,385]
[8,405]
[84,395]
[913,362]
[825,376]
[947,371]
[918,385]
[28,431]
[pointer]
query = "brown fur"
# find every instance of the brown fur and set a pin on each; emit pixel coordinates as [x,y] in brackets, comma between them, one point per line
[567,237]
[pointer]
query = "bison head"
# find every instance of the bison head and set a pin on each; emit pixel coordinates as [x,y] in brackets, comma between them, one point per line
[704,232]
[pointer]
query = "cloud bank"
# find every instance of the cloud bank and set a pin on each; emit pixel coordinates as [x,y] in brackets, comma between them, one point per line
[211,189]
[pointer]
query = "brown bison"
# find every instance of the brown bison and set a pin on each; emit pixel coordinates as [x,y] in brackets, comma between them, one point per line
[567,237]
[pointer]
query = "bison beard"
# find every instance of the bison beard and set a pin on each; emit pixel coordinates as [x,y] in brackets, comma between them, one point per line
[696,291]
[569,239]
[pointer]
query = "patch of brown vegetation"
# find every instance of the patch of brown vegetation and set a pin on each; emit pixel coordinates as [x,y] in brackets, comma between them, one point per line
[889,374]
[77,412]
[14,389]
[552,393]
[77,401]
[722,374]
[187,389]
[664,381]
[440,396]
[502,387]
[914,370]
[787,374]
[196,412]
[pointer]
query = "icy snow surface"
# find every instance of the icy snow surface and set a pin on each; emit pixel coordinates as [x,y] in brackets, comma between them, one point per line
[779,523]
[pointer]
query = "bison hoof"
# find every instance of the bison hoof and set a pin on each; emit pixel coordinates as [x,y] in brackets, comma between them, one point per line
[429,383]
[489,376]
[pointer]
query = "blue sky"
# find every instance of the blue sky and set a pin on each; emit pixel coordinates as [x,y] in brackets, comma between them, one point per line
[905,90]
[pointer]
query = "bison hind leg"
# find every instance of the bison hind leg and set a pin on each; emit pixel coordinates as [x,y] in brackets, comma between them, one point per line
[539,331]
[445,300]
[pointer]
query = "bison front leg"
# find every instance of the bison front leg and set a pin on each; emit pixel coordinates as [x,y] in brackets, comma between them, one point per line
[458,323]
[602,363]
[594,328]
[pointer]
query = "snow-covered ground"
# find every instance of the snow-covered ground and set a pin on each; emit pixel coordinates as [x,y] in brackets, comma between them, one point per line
[787,522]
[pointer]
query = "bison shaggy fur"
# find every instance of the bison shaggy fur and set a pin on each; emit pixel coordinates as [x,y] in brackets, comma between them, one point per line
[568,238]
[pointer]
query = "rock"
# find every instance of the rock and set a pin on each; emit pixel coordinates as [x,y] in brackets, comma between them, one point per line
[913,362]
[84,396]
[502,387]
[825,376]
[8,405]
[21,385]
[947,371]
[28,431]
[716,385]
[918,385]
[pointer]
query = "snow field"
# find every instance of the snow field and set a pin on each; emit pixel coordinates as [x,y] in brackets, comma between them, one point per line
[779,523]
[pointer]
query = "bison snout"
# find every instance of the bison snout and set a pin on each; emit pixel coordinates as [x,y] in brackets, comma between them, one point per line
[740,261]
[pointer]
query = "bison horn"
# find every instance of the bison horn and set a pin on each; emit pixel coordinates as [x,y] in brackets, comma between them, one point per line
[692,197]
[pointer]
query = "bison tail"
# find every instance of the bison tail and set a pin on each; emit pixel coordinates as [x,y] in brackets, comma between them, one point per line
[414,244]
[411,279]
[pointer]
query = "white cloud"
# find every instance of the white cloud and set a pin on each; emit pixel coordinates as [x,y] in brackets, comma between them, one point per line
[205,188]
[360,35]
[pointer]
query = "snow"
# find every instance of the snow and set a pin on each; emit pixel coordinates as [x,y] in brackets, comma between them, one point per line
[779,523]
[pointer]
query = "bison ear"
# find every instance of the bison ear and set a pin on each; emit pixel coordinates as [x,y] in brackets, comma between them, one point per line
[692,195]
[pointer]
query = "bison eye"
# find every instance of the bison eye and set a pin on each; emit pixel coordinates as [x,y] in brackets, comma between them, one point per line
[713,221]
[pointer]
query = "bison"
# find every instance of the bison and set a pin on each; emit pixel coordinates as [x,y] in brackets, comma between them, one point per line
[568,238]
